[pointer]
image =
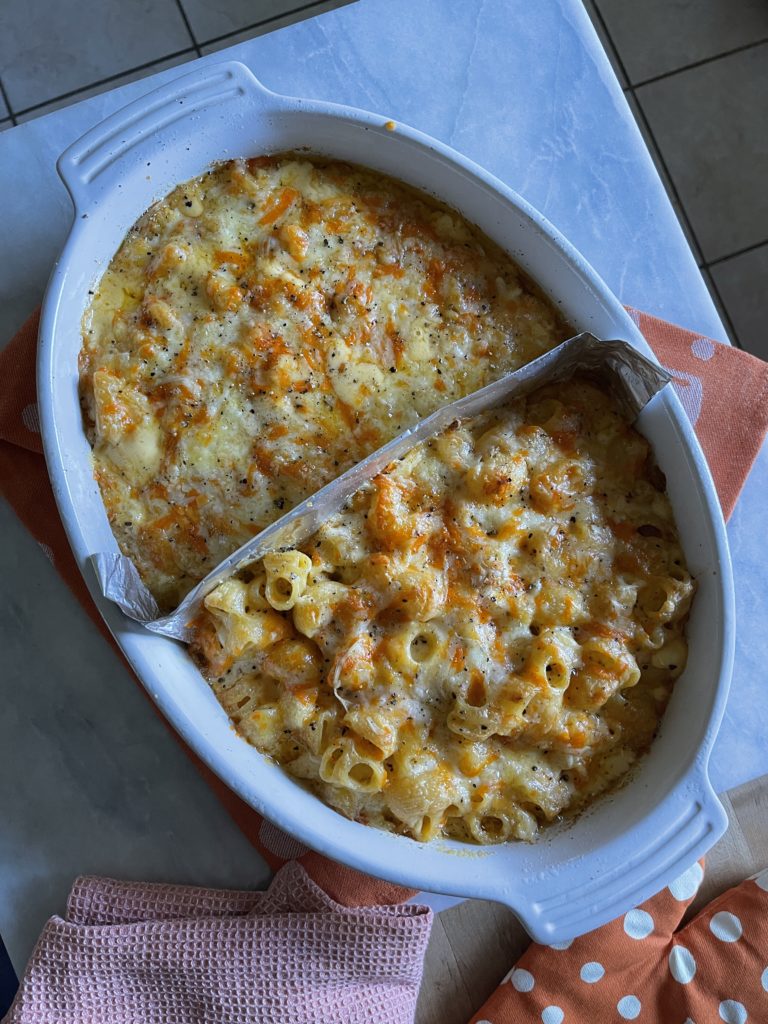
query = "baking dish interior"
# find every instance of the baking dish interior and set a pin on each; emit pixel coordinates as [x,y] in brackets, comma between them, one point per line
[579,874]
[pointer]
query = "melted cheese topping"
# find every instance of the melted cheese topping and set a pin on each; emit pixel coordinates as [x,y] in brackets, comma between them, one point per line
[482,640]
[265,327]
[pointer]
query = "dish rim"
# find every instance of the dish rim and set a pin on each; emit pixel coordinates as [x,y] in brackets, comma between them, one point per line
[75,166]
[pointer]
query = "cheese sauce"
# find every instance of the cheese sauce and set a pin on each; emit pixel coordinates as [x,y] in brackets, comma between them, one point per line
[266,326]
[482,640]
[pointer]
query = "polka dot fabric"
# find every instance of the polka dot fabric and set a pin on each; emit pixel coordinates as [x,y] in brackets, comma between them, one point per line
[725,393]
[644,967]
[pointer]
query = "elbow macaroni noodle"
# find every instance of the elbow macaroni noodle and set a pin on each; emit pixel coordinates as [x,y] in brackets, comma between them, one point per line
[487,635]
[482,640]
[264,328]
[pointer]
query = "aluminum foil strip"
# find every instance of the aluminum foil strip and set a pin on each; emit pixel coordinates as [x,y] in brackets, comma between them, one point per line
[632,378]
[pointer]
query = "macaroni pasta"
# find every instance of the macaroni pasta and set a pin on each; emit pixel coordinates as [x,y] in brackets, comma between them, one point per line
[482,640]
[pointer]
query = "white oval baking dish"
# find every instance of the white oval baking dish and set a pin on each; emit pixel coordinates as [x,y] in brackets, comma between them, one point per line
[628,845]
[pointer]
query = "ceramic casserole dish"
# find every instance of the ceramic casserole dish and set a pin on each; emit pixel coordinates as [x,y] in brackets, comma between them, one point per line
[629,844]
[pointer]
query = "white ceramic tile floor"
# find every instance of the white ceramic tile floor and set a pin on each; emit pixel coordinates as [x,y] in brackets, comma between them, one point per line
[711,124]
[110,83]
[741,281]
[656,37]
[291,15]
[212,19]
[696,76]
[703,115]
[48,49]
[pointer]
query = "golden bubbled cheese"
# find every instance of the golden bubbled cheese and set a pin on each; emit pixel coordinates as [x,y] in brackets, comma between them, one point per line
[493,627]
[266,326]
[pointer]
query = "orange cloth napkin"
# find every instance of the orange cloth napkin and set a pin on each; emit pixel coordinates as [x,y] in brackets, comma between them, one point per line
[24,483]
[640,967]
[723,389]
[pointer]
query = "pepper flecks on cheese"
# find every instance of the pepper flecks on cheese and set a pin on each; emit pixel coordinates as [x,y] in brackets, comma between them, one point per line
[483,639]
[266,326]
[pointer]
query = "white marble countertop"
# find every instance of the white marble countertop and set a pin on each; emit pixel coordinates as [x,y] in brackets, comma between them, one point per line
[94,782]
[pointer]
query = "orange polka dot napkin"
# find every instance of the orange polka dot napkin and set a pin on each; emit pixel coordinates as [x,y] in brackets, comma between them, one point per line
[724,391]
[644,967]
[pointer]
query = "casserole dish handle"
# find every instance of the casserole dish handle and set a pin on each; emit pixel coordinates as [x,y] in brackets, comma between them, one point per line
[100,158]
[631,876]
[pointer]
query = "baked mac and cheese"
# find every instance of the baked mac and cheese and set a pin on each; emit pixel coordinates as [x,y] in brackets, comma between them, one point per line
[483,639]
[265,327]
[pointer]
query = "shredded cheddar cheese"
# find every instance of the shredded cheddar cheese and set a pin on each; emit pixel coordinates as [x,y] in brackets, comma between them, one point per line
[265,327]
[482,640]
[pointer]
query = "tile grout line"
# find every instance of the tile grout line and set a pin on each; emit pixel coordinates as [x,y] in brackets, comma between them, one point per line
[266,21]
[738,252]
[188,27]
[148,65]
[73,93]
[7,102]
[609,37]
[728,323]
[196,48]
[708,278]
[662,169]
[700,63]
[722,309]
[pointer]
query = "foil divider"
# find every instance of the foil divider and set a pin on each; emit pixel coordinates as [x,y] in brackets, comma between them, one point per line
[631,377]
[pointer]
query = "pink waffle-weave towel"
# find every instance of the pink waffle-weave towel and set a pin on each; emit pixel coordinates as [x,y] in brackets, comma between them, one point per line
[143,953]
